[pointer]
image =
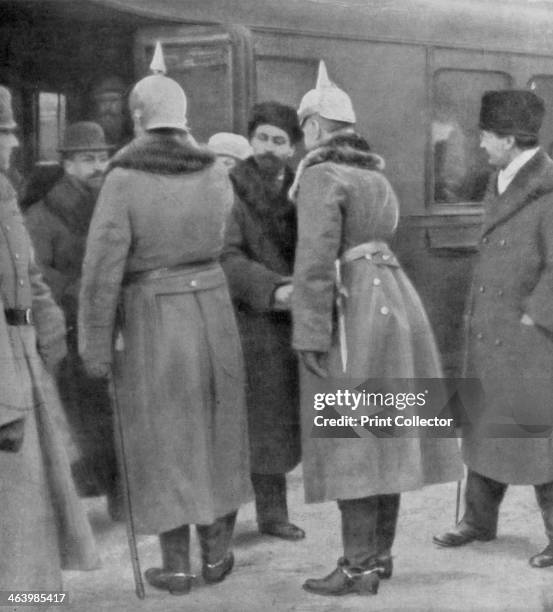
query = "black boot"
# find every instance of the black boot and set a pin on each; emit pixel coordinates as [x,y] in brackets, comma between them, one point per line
[215,540]
[345,580]
[175,575]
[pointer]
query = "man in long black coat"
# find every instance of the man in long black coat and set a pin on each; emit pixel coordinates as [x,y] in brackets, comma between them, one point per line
[258,260]
[510,324]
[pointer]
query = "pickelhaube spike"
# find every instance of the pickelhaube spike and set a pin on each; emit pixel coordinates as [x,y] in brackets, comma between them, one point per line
[158,61]
[322,77]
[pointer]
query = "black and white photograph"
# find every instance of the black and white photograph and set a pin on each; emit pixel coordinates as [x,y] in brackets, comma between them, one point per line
[276,282]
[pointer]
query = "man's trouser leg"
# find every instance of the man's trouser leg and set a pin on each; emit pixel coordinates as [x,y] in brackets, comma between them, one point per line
[270,498]
[482,499]
[544,495]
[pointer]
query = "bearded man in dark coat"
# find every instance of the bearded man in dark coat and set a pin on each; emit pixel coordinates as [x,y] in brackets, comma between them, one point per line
[258,260]
[58,225]
[510,324]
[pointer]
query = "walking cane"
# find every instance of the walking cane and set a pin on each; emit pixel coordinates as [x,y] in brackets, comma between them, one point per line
[129,522]
[458,503]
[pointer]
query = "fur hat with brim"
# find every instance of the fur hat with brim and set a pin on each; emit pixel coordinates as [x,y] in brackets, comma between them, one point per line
[83,136]
[512,112]
[279,115]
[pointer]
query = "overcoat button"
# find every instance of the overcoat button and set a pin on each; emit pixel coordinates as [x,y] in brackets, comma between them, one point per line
[384,310]
[376,282]
[502,242]
[21,283]
[7,227]
[16,255]
[498,342]
[481,288]
[479,336]
[193,283]
[500,292]
[484,240]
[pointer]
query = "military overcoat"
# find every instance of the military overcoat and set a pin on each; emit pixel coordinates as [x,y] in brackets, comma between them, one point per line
[348,211]
[153,245]
[43,523]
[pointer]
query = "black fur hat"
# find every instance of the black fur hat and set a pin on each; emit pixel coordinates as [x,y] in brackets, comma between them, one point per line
[279,115]
[512,112]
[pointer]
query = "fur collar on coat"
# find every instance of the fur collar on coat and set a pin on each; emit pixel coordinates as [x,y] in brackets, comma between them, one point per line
[71,202]
[162,154]
[342,147]
[275,213]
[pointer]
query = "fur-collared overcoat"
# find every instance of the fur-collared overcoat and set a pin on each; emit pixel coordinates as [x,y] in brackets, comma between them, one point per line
[154,240]
[58,225]
[43,523]
[345,201]
[514,276]
[259,257]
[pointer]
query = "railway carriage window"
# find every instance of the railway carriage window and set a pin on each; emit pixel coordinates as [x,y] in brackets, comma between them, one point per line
[284,79]
[204,71]
[542,85]
[460,168]
[51,123]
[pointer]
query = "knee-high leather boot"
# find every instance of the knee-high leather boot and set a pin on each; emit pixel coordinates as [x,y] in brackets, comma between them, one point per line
[215,540]
[175,575]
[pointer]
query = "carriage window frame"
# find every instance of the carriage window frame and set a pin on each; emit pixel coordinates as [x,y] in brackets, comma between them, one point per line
[49,154]
[548,119]
[463,206]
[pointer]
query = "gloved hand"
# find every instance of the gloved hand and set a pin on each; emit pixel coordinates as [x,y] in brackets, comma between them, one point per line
[96,369]
[11,436]
[315,362]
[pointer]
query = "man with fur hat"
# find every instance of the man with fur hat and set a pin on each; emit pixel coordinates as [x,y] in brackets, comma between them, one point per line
[43,524]
[356,317]
[58,225]
[153,249]
[258,261]
[509,341]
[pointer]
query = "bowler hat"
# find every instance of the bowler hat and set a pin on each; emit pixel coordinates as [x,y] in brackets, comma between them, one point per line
[6,113]
[512,112]
[83,136]
[279,115]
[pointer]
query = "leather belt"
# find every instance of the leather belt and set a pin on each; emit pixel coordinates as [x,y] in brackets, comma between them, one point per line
[19,316]
[134,277]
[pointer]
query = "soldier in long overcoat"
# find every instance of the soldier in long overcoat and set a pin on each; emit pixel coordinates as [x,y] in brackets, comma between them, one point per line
[58,225]
[510,324]
[258,260]
[153,246]
[43,525]
[348,211]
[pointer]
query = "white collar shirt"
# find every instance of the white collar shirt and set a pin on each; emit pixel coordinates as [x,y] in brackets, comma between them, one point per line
[506,176]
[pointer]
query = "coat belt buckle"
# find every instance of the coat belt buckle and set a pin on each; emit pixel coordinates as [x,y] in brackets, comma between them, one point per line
[28,316]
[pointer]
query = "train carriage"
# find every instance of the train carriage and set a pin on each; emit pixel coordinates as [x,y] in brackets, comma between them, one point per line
[415,69]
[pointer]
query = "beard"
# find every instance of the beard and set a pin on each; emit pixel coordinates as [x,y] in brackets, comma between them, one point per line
[270,166]
[113,126]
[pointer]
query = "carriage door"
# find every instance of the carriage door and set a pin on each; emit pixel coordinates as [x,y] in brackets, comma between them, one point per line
[212,64]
